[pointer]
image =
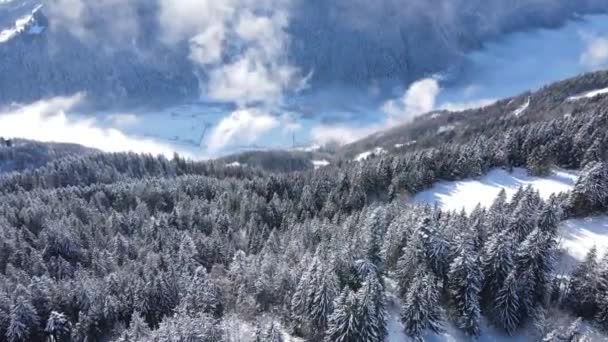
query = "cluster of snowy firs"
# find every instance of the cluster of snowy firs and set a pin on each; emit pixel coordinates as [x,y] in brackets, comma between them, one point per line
[127,247]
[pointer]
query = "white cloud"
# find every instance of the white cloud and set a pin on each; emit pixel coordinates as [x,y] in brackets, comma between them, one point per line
[420,98]
[596,51]
[47,121]
[243,125]
[240,45]
[417,100]
[324,134]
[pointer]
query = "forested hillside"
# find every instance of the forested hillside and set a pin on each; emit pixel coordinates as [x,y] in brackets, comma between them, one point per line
[126,247]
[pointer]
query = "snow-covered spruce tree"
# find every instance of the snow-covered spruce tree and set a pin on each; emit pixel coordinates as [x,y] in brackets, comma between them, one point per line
[343,323]
[465,281]
[596,152]
[523,219]
[539,162]
[183,327]
[23,321]
[507,314]
[549,216]
[590,193]
[534,260]
[138,330]
[58,327]
[372,310]
[375,227]
[312,302]
[602,312]
[433,249]
[202,295]
[421,309]
[582,291]
[497,262]
[269,333]
[322,292]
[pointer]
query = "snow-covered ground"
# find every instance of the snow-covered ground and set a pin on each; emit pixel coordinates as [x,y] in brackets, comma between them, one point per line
[589,94]
[375,152]
[580,235]
[519,111]
[451,333]
[577,236]
[466,194]
[320,163]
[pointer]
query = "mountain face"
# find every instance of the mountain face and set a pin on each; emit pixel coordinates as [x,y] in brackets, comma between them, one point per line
[391,39]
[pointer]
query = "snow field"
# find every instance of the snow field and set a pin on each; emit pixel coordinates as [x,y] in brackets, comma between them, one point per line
[578,236]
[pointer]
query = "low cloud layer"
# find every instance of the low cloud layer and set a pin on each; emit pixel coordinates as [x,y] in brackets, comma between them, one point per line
[48,121]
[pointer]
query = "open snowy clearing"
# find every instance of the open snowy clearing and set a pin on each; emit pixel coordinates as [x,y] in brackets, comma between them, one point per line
[466,194]
[578,236]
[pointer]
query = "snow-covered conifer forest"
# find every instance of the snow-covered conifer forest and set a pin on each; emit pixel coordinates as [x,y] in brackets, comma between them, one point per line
[132,247]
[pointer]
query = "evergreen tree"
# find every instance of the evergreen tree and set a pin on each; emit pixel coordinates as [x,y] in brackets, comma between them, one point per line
[582,291]
[507,304]
[465,281]
[421,308]
[58,327]
[372,311]
[138,330]
[343,322]
[497,263]
[590,192]
[23,321]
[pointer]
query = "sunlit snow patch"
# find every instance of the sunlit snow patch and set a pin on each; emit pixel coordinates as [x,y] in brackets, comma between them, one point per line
[320,163]
[589,94]
[21,25]
[446,128]
[580,235]
[519,111]
[466,194]
[375,152]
